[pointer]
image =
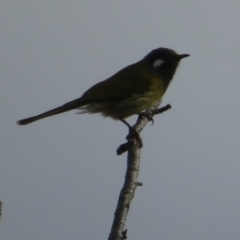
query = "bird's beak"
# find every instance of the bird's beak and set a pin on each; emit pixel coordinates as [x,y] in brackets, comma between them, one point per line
[180,56]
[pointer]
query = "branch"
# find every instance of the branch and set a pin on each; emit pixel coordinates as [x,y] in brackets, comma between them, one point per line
[133,165]
[142,120]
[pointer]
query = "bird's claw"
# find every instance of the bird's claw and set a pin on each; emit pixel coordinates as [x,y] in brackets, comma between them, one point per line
[147,114]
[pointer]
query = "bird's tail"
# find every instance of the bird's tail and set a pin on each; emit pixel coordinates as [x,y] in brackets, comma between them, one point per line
[64,108]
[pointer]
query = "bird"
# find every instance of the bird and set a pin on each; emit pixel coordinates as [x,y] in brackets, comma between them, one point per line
[130,91]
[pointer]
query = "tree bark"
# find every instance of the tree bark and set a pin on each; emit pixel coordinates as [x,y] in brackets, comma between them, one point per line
[130,184]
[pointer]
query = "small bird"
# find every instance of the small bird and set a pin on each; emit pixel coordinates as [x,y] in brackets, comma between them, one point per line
[130,91]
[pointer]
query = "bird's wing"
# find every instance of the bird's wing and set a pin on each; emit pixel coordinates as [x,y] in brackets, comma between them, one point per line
[130,80]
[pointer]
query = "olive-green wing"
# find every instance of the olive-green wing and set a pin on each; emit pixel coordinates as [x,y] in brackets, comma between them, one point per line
[132,79]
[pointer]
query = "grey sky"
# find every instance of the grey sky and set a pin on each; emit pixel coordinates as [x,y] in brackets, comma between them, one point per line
[60,177]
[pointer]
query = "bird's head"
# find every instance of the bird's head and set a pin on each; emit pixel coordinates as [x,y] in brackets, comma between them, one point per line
[165,62]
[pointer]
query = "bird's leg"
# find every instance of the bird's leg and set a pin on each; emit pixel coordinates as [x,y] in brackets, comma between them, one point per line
[133,133]
[147,114]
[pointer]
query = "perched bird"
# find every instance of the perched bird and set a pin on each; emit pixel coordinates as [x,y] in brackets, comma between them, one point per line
[130,91]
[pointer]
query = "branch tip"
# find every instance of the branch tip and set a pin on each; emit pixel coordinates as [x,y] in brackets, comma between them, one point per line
[138,184]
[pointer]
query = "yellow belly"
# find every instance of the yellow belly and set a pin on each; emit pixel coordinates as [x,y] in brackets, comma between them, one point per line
[134,104]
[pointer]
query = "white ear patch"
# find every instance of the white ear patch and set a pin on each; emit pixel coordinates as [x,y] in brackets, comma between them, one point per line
[158,63]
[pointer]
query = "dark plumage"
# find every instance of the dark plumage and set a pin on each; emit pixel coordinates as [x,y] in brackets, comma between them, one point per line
[129,91]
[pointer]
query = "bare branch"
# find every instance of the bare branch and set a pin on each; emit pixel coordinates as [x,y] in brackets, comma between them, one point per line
[141,123]
[133,165]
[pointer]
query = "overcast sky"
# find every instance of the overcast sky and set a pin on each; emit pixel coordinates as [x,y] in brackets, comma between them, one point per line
[60,177]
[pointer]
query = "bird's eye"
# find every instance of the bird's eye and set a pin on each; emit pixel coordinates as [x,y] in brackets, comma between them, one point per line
[157,63]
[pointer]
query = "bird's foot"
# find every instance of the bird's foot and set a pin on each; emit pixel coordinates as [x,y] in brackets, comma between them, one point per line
[134,136]
[147,114]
